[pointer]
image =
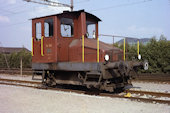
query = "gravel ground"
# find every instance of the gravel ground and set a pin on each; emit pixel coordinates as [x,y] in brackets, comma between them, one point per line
[18,77]
[27,100]
[150,86]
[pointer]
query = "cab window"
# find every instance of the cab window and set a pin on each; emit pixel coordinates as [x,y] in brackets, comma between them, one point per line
[66,27]
[48,27]
[38,30]
[91,29]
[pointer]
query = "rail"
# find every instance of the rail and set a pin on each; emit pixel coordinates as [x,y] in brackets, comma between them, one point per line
[121,95]
[157,94]
[124,44]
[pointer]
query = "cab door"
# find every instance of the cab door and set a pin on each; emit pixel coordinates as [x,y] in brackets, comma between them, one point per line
[49,40]
[36,40]
[44,40]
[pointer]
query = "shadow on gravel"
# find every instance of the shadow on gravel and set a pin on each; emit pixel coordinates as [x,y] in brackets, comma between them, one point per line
[91,91]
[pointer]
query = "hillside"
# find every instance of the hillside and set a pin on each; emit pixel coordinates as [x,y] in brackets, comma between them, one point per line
[133,41]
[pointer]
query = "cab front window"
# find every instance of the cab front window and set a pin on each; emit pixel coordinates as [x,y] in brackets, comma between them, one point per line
[48,27]
[38,30]
[66,27]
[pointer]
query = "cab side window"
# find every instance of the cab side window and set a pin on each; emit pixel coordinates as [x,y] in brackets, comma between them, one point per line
[91,29]
[48,27]
[38,30]
[66,27]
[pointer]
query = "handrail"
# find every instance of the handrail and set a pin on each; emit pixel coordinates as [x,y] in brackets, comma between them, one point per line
[83,48]
[98,49]
[138,47]
[42,46]
[32,52]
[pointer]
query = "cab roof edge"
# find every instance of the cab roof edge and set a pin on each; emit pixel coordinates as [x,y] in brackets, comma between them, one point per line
[66,11]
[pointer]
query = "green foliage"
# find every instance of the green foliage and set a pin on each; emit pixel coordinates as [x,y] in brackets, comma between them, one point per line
[156,52]
[14,60]
[2,61]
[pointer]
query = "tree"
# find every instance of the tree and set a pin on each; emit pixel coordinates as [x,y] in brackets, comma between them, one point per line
[14,59]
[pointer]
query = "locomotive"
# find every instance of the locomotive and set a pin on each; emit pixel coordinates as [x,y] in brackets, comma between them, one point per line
[66,50]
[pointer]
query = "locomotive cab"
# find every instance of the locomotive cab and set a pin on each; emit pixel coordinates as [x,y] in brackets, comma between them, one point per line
[54,36]
[66,50]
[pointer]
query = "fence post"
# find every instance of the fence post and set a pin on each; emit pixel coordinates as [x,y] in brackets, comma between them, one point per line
[21,66]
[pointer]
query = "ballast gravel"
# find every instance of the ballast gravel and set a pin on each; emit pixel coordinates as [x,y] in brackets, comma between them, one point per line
[28,100]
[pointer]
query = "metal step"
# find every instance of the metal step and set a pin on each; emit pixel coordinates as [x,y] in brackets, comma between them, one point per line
[92,77]
[38,74]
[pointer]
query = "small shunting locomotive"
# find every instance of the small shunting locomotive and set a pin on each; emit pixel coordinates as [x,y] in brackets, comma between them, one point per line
[66,50]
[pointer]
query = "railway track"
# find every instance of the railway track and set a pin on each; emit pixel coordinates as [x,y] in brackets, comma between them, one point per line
[15,71]
[161,79]
[23,83]
[148,96]
[19,81]
[135,95]
[156,94]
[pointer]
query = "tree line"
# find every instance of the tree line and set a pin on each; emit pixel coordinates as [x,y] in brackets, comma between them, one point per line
[13,60]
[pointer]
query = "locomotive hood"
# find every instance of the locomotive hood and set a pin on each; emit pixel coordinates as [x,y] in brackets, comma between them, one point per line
[92,44]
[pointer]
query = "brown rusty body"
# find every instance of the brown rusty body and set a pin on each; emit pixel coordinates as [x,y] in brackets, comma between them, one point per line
[68,49]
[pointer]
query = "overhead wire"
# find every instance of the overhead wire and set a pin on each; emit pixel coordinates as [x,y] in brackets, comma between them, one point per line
[24,22]
[82,1]
[11,12]
[23,11]
[120,5]
[19,12]
[16,6]
[8,11]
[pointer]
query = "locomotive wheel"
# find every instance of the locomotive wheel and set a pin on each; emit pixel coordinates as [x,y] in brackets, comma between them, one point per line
[48,80]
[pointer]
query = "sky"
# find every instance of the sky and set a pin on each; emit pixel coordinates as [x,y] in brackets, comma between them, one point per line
[131,18]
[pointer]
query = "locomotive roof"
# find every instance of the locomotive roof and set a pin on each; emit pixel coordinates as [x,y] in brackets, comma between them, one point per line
[72,13]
